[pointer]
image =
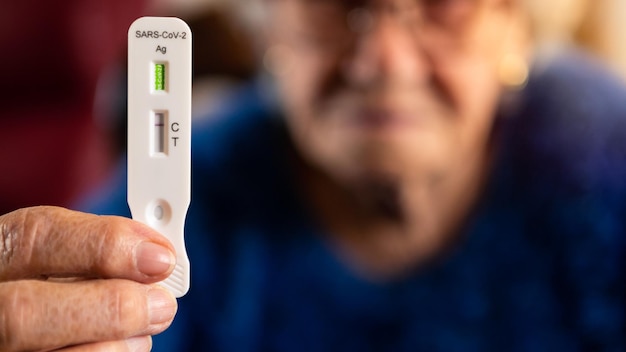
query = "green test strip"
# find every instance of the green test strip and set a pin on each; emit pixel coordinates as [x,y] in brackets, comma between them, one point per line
[159,76]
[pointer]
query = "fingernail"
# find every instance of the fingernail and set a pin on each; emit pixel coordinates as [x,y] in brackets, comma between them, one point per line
[139,344]
[161,305]
[153,259]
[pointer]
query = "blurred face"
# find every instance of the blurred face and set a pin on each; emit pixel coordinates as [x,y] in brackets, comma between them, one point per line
[391,88]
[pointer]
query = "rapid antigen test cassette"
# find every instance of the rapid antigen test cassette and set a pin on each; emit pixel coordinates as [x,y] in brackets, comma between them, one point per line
[159,132]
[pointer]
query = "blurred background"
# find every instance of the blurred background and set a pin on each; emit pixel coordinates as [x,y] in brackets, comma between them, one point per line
[63,78]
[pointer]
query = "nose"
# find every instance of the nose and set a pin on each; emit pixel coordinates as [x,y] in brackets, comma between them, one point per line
[385,52]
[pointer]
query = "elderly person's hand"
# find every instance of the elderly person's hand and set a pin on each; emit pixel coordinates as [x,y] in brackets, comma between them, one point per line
[81,282]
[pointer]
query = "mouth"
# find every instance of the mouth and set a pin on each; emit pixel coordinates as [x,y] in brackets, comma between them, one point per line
[384,114]
[380,119]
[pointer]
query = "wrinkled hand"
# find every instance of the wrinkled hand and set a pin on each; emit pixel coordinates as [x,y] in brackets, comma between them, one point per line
[81,282]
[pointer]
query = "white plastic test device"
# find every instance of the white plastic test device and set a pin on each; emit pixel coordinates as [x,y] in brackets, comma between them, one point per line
[159,132]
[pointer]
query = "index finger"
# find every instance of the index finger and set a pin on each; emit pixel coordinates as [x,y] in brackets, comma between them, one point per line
[43,242]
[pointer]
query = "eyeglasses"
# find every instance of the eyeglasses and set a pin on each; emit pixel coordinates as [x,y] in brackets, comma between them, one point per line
[332,22]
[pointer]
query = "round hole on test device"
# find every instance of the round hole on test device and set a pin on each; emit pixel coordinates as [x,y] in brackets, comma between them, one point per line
[158,212]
